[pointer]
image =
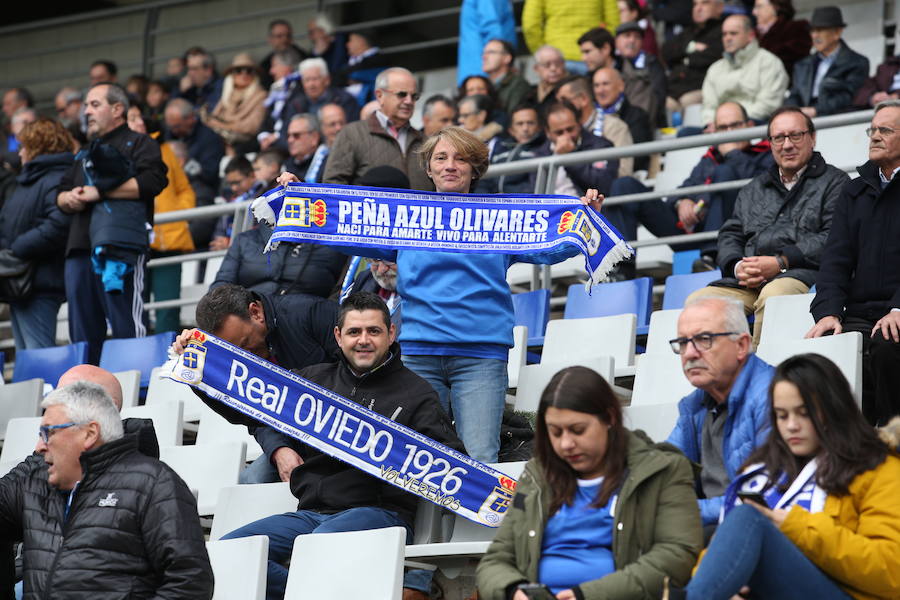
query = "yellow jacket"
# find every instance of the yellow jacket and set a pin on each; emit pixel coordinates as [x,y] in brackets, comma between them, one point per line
[560,23]
[177,195]
[855,540]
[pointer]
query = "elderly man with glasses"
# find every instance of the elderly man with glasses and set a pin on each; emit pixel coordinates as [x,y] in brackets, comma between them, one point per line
[98,517]
[727,416]
[775,238]
[384,138]
[858,288]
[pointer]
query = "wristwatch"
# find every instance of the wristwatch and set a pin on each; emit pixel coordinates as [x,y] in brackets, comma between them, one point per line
[782,263]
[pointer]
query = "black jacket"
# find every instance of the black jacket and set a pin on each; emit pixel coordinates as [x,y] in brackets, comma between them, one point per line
[33,226]
[300,329]
[205,152]
[288,269]
[860,273]
[507,150]
[150,173]
[646,87]
[598,174]
[687,70]
[132,530]
[768,220]
[841,82]
[639,127]
[329,485]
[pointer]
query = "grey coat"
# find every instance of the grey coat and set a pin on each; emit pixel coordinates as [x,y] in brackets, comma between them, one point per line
[769,220]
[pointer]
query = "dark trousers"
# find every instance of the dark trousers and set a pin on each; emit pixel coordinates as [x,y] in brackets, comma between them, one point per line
[91,308]
[881,371]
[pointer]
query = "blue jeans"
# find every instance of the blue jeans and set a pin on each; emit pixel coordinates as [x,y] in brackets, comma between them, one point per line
[283,529]
[34,322]
[748,549]
[260,470]
[473,392]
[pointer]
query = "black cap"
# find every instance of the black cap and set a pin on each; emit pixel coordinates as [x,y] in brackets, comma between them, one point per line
[629,26]
[827,17]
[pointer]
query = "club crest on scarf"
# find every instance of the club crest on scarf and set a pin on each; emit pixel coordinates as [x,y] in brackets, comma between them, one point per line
[302,212]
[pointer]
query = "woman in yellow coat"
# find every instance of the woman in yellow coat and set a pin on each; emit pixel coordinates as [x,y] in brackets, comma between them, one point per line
[818,515]
[168,239]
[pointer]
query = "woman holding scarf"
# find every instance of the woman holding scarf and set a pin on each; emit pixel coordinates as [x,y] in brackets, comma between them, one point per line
[830,526]
[457,307]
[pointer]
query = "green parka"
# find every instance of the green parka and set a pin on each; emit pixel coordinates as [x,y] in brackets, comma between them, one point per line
[657,528]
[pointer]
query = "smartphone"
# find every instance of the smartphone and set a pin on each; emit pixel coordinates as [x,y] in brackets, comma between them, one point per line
[537,591]
[753,497]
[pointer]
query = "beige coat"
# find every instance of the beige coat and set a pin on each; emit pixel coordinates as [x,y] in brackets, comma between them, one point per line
[239,114]
[616,131]
[362,145]
[754,77]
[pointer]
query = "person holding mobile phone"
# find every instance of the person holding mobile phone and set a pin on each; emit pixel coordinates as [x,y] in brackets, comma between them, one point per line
[825,520]
[600,511]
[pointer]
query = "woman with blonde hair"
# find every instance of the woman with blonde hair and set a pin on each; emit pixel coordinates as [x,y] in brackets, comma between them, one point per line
[240,113]
[34,229]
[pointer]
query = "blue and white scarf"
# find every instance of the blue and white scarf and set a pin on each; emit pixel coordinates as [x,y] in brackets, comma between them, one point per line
[802,492]
[343,429]
[394,219]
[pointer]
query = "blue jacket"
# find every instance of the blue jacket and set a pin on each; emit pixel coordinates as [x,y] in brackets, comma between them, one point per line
[746,427]
[481,21]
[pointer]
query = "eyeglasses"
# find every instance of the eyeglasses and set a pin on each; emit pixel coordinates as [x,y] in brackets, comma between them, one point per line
[294,135]
[701,341]
[884,131]
[551,64]
[463,115]
[45,432]
[730,126]
[244,70]
[402,95]
[795,137]
[487,52]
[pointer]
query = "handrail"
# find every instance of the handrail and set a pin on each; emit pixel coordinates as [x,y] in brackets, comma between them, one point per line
[647,148]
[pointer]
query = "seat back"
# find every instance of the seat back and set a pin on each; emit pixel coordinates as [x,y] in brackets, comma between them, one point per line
[239,567]
[534,378]
[163,389]
[659,379]
[167,420]
[131,386]
[845,350]
[532,309]
[676,168]
[679,287]
[460,529]
[49,363]
[656,420]
[142,353]
[214,428]
[663,327]
[576,339]
[21,399]
[207,469]
[633,296]
[319,565]
[239,505]
[517,355]
[19,442]
[842,146]
[787,318]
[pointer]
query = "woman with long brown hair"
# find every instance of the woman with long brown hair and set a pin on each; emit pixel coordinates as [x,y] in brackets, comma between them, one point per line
[600,512]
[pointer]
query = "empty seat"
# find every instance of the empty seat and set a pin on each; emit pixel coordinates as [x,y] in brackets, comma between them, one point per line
[143,354]
[659,380]
[532,310]
[19,442]
[618,298]
[787,318]
[676,168]
[131,386]
[239,567]
[240,505]
[517,355]
[167,420]
[663,327]
[656,420]
[320,562]
[49,363]
[163,389]
[577,339]
[679,287]
[845,350]
[207,469]
[214,428]
[21,399]
[534,378]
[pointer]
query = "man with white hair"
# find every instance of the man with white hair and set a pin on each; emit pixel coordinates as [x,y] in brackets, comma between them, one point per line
[727,416]
[95,515]
[385,138]
[327,43]
[550,65]
[315,91]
